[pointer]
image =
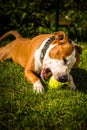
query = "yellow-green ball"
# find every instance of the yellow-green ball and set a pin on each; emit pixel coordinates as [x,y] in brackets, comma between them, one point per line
[52,83]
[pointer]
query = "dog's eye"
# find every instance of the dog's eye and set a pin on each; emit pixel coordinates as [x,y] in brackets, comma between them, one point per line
[65,61]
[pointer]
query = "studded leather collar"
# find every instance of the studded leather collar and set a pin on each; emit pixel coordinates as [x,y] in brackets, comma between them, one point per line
[46,46]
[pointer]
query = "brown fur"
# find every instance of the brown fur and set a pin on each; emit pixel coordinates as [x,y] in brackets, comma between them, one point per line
[21,50]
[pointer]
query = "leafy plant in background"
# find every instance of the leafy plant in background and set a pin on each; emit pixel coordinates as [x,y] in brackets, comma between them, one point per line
[30,18]
[38,16]
[74,11]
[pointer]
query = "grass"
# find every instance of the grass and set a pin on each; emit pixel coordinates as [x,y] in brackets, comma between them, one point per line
[56,109]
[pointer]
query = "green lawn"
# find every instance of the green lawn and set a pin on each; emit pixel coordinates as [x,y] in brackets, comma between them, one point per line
[56,109]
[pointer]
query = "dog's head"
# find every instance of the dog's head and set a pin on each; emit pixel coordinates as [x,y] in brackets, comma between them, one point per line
[62,56]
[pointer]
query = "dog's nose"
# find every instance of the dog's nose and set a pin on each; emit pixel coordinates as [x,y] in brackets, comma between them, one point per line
[63,78]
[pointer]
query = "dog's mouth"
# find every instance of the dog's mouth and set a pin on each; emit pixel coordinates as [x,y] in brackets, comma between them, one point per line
[45,74]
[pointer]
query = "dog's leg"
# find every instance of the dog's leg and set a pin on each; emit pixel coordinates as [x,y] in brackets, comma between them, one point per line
[5,52]
[32,78]
[72,85]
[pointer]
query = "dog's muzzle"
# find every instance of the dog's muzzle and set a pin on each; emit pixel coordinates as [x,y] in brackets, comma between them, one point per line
[46,73]
[61,77]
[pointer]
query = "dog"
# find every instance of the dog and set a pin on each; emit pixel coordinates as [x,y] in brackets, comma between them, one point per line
[42,56]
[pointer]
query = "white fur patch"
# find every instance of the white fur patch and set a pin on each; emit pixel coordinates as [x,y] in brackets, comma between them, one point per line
[37,61]
[38,87]
[58,65]
[71,60]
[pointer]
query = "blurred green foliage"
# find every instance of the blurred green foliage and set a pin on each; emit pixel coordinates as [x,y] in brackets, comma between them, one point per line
[38,16]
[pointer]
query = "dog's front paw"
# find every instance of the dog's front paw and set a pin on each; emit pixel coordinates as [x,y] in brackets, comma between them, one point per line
[72,85]
[38,87]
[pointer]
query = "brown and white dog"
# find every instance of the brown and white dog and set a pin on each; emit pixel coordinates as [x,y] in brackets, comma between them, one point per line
[42,56]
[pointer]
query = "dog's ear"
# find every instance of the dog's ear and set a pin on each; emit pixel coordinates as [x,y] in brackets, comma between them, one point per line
[78,48]
[78,52]
[60,36]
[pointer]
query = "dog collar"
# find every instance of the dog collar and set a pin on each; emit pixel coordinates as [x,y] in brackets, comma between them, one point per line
[43,51]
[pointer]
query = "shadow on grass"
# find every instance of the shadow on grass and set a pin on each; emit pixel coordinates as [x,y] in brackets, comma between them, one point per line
[80,79]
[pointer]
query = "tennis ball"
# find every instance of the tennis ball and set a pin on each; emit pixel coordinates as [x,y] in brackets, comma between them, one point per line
[52,83]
